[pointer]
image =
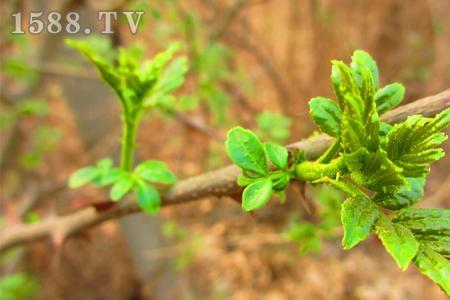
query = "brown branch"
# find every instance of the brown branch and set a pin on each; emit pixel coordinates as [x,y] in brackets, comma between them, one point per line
[199,125]
[218,183]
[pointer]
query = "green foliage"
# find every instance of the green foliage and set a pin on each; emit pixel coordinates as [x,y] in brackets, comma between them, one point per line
[367,156]
[273,126]
[188,244]
[139,86]
[277,154]
[18,65]
[326,114]
[212,69]
[373,170]
[123,182]
[43,142]
[306,235]
[147,197]
[405,196]
[309,235]
[412,144]
[359,215]
[43,138]
[434,266]
[256,194]
[398,241]
[155,171]
[389,97]
[18,286]
[247,152]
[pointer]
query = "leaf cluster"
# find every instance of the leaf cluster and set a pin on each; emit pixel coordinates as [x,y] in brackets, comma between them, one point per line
[122,182]
[138,86]
[260,178]
[381,167]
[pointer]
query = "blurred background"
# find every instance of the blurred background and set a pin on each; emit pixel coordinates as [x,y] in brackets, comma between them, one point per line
[253,63]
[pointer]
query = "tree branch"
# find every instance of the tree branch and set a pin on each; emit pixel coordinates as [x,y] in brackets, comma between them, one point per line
[221,182]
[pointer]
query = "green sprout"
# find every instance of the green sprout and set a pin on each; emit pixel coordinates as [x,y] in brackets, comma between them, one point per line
[139,87]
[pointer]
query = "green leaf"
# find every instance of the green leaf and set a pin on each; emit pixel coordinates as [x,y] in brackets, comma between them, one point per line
[148,198]
[362,58]
[412,144]
[111,176]
[389,97]
[257,194]
[344,85]
[437,243]
[246,151]
[353,133]
[397,240]
[327,115]
[404,197]
[83,176]
[277,154]
[358,216]
[170,80]
[425,220]
[155,171]
[428,225]
[243,180]
[121,188]
[354,89]
[435,266]
[422,213]
[374,170]
[364,77]
[105,68]
[18,286]
[105,164]
[280,181]
[273,126]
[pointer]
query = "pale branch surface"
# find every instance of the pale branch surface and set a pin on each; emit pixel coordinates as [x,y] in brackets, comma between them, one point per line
[218,183]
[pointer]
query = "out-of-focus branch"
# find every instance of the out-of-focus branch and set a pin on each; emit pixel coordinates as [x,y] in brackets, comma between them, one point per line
[266,64]
[198,125]
[228,18]
[221,182]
